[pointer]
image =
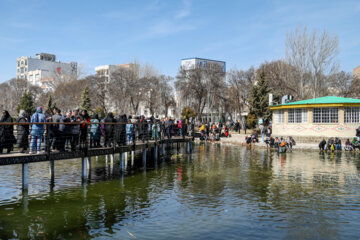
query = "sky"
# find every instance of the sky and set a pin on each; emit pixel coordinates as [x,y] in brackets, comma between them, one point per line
[162,32]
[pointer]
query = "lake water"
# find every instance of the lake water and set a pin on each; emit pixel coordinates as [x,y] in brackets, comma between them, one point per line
[218,192]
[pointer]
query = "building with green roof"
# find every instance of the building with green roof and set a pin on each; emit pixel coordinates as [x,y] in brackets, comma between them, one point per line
[328,116]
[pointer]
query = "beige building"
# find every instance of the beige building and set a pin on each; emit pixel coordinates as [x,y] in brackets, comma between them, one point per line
[356,71]
[107,70]
[322,117]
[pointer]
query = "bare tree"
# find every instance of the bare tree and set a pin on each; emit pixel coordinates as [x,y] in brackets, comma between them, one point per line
[13,90]
[314,55]
[68,94]
[282,79]
[297,55]
[7,99]
[343,84]
[201,86]
[133,85]
[167,99]
[99,91]
[240,83]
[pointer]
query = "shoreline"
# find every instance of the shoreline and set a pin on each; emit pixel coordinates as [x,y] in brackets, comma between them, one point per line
[239,139]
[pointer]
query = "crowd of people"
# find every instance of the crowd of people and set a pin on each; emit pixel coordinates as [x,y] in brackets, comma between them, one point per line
[335,144]
[72,130]
[213,131]
[281,144]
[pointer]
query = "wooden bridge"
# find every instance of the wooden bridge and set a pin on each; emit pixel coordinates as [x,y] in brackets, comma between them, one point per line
[157,146]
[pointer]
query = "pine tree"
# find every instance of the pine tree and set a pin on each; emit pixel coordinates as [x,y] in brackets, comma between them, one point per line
[259,95]
[85,100]
[26,103]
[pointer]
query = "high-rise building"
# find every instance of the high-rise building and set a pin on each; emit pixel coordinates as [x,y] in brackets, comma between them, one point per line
[44,70]
[190,63]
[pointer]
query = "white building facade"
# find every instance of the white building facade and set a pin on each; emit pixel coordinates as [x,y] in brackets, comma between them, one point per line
[44,70]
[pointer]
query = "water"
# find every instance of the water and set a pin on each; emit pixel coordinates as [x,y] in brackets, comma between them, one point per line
[219,192]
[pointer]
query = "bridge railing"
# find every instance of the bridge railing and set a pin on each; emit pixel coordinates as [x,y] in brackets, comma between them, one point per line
[44,138]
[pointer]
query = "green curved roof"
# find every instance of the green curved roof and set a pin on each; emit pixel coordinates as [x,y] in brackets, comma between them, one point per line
[323,100]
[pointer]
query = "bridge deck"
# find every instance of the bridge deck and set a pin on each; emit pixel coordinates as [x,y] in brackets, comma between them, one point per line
[18,158]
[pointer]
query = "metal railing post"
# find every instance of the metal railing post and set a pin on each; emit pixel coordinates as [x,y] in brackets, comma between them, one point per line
[86,147]
[47,140]
[114,136]
[147,125]
[134,136]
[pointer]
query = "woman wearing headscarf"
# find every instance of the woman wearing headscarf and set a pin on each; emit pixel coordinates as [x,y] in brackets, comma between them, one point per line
[22,132]
[7,138]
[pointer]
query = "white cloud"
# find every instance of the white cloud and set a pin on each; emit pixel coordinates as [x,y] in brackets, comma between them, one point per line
[185,11]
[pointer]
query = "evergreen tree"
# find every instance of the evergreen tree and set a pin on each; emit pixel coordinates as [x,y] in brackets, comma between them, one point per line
[85,100]
[259,98]
[26,103]
[188,113]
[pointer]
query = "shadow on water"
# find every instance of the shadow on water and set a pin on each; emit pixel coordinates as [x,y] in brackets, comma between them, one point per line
[226,191]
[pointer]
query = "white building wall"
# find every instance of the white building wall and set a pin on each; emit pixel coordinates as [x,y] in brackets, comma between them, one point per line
[42,72]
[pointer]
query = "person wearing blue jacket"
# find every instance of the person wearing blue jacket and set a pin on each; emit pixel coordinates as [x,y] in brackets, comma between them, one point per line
[37,130]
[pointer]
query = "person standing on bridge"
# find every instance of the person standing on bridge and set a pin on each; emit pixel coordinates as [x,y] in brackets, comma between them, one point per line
[75,129]
[94,131]
[64,131]
[85,118]
[37,130]
[129,132]
[109,129]
[55,143]
[7,138]
[22,132]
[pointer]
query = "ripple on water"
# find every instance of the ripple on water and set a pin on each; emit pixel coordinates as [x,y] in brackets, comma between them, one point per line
[220,192]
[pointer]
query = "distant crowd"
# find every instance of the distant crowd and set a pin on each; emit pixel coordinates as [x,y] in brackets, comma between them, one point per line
[101,132]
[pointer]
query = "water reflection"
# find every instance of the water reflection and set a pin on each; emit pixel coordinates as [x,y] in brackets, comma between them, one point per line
[225,191]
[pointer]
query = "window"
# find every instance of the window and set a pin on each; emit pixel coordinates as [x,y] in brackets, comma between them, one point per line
[37,77]
[279,116]
[25,61]
[22,70]
[18,63]
[298,115]
[325,115]
[22,62]
[352,115]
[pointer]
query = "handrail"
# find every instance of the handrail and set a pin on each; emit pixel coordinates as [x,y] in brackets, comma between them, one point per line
[54,137]
[78,123]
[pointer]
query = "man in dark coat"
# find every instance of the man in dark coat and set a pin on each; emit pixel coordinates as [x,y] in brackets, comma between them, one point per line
[7,138]
[142,128]
[22,132]
[109,129]
[121,130]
